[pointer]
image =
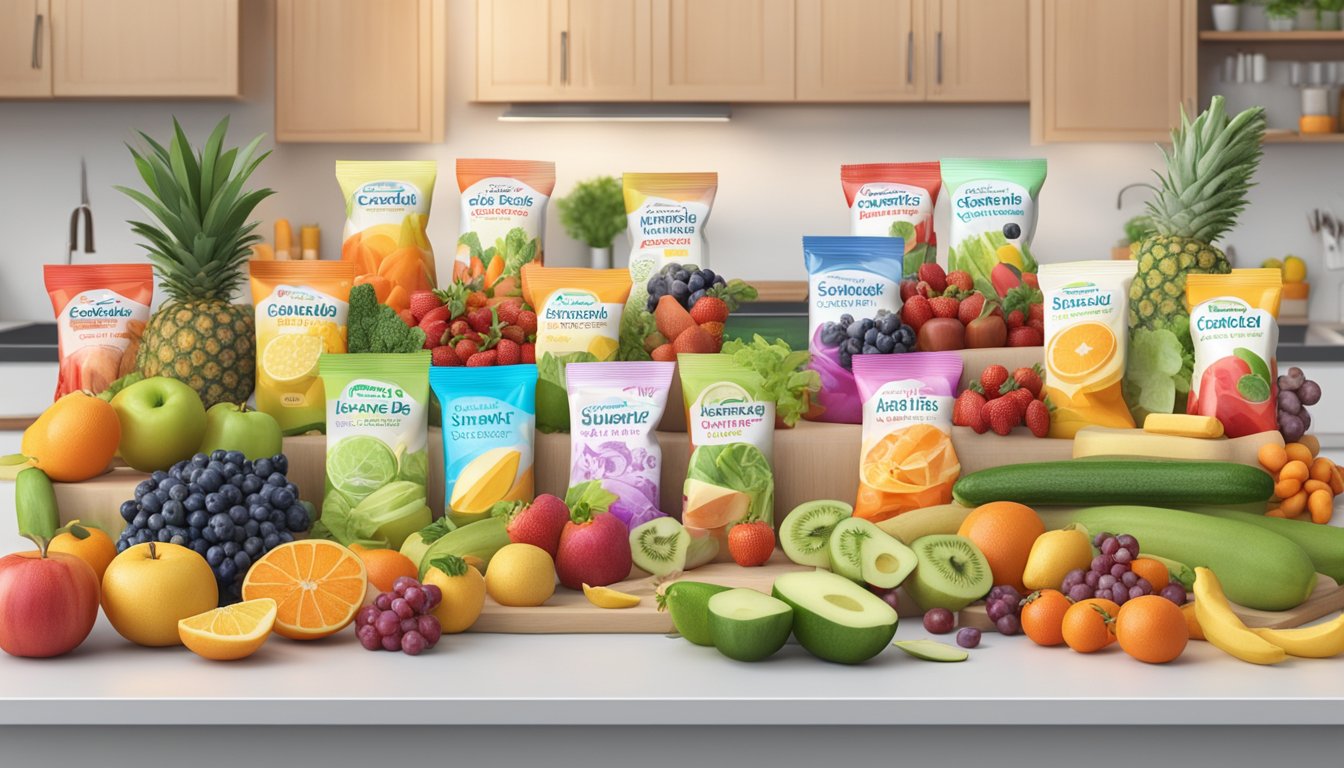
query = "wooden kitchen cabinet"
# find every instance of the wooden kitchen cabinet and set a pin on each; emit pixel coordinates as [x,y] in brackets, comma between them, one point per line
[356,71]
[25,49]
[860,50]
[723,50]
[1108,71]
[977,50]
[134,48]
[563,50]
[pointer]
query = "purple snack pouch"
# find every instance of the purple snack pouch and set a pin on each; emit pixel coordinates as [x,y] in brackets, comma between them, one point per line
[614,409]
[849,280]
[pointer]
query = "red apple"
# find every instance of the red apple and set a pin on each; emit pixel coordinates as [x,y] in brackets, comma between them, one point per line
[48,603]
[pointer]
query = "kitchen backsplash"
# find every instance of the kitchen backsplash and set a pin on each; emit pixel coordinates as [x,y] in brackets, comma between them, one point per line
[778,172]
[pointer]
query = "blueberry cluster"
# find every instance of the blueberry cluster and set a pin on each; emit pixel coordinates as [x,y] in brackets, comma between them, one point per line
[228,509]
[882,334]
[685,284]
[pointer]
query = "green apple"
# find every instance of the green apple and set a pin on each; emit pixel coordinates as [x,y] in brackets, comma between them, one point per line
[233,427]
[162,421]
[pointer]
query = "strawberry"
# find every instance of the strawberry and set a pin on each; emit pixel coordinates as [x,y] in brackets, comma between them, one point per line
[407,318]
[916,312]
[934,276]
[510,352]
[1020,395]
[1001,415]
[966,411]
[594,549]
[664,354]
[709,309]
[435,315]
[539,523]
[445,356]
[716,331]
[458,327]
[434,333]
[751,544]
[970,307]
[992,379]
[480,319]
[694,339]
[1030,279]
[488,357]
[465,347]
[1038,324]
[1038,418]
[527,320]
[529,352]
[945,306]
[508,310]
[961,279]
[1025,337]
[1036,312]
[1031,378]
[908,289]
[422,302]
[476,299]
[513,333]
[924,289]
[1015,319]
[671,318]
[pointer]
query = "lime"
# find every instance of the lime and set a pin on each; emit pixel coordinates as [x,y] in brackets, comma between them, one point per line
[1253,361]
[360,465]
[291,356]
[1253,388]
[724,392]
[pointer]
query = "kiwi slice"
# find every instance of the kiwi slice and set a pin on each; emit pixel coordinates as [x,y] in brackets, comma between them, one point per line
[886,562]
[660,546]
[932,650]
[952,573]
[847,543]
[806,530]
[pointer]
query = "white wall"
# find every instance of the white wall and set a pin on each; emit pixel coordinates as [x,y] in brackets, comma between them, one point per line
[778,171]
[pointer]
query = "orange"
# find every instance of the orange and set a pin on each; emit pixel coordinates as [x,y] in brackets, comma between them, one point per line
[1087,625]
[1152,629]
[229,633]
[74,439]
[1192,621]
[1081,350]
[1152,570]
[384,566]
[97,549]
[1043,617]
[1004,531]
[317,586]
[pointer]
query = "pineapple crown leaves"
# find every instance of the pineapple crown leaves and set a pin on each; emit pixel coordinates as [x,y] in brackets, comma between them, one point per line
[202,236]
[1209,171]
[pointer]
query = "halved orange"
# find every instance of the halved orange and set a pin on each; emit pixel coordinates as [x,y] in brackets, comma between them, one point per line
[317,586]
[232,632]
[1081,350]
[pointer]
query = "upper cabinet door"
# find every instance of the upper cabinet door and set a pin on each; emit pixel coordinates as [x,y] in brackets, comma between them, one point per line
[607,50]
[145,48]
[1108,71]
[860,50]
[723,50]
[352,70]
[25,49]
[977,50]
[520,49]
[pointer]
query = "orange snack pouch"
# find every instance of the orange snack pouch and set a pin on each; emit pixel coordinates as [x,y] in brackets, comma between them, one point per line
[101,310]
[386,212]
[503,219]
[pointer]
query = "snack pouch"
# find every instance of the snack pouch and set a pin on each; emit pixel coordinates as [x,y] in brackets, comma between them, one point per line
[578,321]
[614,409]
[895,200]
[301,310]
[503,220]
[1086,339]
[488,431]
[729,479]
[1234,326]
[906,460]
[386,211]
[101,310]
[993,204]
[855,276]
[377,461]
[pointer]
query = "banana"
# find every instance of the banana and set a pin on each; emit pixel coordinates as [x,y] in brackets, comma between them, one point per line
[943,519]
[1321,641]
[1224,629]
[604,597]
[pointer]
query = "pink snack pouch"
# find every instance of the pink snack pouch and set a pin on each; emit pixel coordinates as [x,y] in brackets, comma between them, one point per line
[101,310]
[614,408]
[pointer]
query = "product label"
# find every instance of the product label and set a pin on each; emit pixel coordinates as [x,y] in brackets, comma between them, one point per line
[726,413]
[295,325]
[991,204]
[880,205]
[494,206]
[666,231]
[575,320]
[372,408]
[900,404]
[100,318]
[850,292]
[1084,323]
[1230,334]
[382,202]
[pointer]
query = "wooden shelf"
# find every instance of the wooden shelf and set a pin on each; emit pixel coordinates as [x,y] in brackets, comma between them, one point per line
[1292,137]
[1265,36]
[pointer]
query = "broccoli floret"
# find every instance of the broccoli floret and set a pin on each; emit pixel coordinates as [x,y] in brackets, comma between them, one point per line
[374,327]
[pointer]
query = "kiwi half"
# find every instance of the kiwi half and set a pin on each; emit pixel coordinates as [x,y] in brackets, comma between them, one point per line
[806,531]
[885,562]
[952,573]
[846,546]
[660,546]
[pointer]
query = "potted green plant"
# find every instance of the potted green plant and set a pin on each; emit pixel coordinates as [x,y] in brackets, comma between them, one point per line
[1227,15]
[594,213]
[1282,14]
[1327,13]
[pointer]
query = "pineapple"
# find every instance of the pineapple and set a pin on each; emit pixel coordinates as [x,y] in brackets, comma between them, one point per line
[198,249]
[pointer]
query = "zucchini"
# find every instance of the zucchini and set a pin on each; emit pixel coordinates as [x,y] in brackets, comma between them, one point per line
[481,539]
[1257,567]
[1116,481]
[35,502]
[1324,544]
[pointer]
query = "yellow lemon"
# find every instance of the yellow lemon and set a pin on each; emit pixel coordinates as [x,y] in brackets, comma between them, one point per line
[603,348]
[520,575]
[291,356]
[1294,269]
[232,632]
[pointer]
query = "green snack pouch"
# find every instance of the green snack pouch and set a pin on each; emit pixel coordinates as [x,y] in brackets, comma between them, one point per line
[377,462]
[993,205]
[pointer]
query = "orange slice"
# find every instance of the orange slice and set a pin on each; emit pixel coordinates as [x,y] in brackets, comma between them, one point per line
[232,632]
[1081,350]
[317,587]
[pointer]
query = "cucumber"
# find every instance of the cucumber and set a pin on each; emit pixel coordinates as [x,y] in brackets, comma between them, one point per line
[1116,481]
[1324,544]
[1257,567]
[35,501]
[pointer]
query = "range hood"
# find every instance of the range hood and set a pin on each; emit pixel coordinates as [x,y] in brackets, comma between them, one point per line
[617,113]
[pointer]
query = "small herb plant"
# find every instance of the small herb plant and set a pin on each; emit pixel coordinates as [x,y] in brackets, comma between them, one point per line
[594,213]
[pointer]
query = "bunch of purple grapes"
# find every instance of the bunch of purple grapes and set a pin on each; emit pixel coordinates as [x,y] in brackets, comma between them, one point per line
[1111,578]
[1004,608]
[1296,392]
[401,620]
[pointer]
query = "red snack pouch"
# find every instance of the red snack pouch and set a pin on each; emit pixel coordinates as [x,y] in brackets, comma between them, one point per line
[895,200]
[101,311]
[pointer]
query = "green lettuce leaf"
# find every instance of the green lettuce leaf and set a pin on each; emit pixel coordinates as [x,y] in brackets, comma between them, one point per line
[415,467]
[741,467]
[979,254]
[1154,372]
[384,518]
[517,249]
[589,496]
[784,378]
[552,396]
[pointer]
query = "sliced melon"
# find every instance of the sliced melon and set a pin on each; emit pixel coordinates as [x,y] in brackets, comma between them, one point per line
[484,481]
[748,625]
[834,618]
[712,506]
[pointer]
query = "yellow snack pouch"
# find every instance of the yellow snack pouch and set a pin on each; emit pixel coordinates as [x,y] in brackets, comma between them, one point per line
[386,211]
[578,321]
[1086,337]
[301,309]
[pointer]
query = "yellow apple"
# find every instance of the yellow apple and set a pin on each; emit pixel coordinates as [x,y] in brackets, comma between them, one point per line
[150,587]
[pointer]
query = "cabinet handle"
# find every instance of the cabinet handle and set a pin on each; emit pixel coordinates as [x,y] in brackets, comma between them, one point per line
[938,57]
[564,57]
[37,41]
[910,57]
